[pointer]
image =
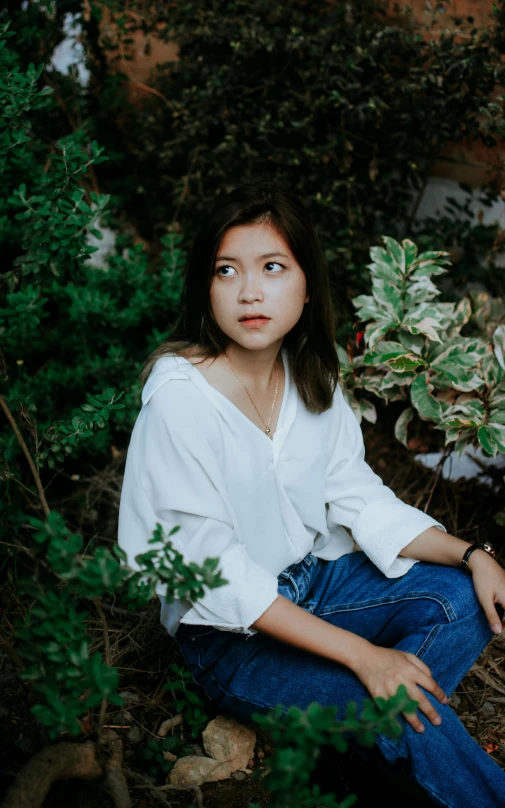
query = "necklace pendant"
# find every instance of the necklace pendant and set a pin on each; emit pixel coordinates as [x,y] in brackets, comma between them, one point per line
[267,430]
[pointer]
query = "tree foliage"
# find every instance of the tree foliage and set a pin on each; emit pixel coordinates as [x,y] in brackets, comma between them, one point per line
[348,104]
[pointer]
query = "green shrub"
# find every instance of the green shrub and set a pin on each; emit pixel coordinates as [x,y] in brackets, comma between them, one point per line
[418,351]
[444,359]
[347,103]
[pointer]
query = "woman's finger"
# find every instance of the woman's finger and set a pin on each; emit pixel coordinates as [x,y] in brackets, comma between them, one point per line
[491,613]
[424,706]
[428,709]
[419,662]
[414,721]
[432,687]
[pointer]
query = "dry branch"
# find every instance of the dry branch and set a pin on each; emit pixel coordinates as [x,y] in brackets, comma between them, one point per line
[65,761]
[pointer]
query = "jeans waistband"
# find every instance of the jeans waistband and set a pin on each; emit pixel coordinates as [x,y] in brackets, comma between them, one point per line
[304,563]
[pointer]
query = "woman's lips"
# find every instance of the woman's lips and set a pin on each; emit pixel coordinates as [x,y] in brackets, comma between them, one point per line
[255,323]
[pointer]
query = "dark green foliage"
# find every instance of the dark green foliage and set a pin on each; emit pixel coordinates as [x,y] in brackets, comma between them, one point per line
[347,103]
[52,641]
[189,700]
[297,736]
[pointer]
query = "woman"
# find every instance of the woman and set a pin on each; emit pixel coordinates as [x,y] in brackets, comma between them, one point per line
[246,442]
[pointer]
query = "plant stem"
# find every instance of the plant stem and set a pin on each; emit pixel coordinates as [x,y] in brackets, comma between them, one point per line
[106,653]
[33,469]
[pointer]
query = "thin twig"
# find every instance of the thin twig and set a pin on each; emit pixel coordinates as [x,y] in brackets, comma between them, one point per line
[170,787]
[106,653]
[12,654]
[146,783]
[438,472]
[24,447]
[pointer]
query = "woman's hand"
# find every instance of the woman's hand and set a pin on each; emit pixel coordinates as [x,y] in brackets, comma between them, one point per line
[382,670]
[489,583]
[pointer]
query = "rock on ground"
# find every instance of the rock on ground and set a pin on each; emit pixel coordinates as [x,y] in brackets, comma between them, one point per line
[230,747]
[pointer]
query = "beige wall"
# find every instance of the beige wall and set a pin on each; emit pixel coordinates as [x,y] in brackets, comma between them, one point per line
[479,10]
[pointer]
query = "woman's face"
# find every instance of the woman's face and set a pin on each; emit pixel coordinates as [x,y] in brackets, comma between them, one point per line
[256,272]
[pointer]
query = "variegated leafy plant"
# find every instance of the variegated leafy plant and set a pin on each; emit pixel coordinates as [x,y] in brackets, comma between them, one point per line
[416,351]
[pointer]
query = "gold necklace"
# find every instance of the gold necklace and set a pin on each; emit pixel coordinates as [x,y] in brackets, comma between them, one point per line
[267,427]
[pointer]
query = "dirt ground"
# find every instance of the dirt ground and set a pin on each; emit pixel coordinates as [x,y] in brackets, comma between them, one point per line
[143,652]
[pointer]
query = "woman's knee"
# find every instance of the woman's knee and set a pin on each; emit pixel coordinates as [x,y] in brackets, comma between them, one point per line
[453,588]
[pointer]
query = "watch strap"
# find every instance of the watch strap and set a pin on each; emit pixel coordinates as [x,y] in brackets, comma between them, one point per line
[478,545]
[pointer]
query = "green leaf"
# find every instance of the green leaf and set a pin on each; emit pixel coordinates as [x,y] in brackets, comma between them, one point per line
[427,406]
[385,350]
[343,357]
[402,424]
[432,255]
[427,268]
[487,441]
[368,410]
[375,331]
[425,326]
[403,364]
[497,433]
[381,256]
[410,250]
[413,342]
[499,345]
[396,251]
[500,518]
[388,295]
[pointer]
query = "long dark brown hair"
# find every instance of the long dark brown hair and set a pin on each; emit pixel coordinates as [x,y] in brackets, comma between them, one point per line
[311,347]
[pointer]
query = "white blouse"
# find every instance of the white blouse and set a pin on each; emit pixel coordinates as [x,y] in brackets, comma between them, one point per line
[260,504]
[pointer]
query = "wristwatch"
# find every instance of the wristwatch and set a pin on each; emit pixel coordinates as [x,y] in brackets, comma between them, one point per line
[487,546]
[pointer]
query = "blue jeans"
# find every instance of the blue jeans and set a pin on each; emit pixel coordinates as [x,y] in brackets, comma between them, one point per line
[431,611]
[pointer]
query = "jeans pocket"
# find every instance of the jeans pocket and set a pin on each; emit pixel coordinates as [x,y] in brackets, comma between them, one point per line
[295,581]
[287,587]
[209,643]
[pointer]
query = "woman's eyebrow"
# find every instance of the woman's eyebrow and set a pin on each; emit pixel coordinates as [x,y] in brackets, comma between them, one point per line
[266,255]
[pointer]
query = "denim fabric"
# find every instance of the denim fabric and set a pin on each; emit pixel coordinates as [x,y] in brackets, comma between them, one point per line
[431,611]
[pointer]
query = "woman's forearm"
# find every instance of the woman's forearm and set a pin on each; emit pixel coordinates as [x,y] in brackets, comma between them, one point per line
[288,622]
[438,547]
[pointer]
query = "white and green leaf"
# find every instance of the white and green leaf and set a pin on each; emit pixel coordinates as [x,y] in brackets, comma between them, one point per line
[487,441]
[368,410]
[396,251]
[499,345]
[410,250]
[402,425]
[425,403]
[375,331]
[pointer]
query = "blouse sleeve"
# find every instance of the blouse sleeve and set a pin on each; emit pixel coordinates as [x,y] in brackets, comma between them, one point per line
[179,473]
[381,524]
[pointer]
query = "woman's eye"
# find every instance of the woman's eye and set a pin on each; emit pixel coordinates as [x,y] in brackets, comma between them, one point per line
[269,263]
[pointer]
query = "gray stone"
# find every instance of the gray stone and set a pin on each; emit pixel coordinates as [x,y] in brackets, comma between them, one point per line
[134,735]
[227,739]
[134,698]
[195,770]
[488,708]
